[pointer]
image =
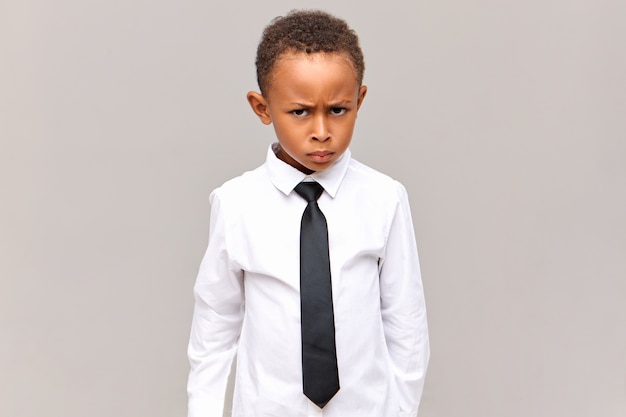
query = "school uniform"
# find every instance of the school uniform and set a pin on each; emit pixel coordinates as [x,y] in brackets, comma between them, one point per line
[248,296]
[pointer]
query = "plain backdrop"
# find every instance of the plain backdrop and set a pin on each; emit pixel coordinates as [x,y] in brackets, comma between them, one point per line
[506,121]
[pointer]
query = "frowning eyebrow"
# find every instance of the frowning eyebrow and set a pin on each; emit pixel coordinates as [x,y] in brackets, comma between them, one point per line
[338,103]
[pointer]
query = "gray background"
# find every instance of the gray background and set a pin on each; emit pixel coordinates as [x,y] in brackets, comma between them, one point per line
[504,119]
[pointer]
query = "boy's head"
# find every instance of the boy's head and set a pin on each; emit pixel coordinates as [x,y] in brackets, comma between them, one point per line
[310,72]
[309,32]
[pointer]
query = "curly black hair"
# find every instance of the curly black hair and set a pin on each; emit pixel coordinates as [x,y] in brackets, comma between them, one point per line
[307,31]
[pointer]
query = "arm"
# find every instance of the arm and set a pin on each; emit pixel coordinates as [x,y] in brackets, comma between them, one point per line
[216,323]
[403,309]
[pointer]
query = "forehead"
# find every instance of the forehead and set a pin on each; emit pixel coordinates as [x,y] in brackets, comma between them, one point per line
[300,67]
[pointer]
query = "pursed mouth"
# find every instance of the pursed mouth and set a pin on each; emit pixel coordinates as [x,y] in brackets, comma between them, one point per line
[321,156]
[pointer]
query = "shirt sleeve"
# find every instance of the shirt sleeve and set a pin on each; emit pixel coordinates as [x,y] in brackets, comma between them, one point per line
[216,323]
[403,308]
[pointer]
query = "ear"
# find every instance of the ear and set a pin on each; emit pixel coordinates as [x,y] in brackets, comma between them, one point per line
[259,107]
[361,97]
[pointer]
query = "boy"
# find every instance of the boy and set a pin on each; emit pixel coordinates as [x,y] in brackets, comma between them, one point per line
[311,274]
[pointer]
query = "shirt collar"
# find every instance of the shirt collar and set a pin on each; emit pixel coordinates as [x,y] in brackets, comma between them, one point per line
[285,177]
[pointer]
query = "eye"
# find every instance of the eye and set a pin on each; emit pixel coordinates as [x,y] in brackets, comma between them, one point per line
[299,112]
[338,111]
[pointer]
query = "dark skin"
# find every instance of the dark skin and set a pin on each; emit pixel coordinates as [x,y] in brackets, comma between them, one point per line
[285,157]
[313,103]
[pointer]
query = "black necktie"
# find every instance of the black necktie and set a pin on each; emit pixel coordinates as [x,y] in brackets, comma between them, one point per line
[320,376]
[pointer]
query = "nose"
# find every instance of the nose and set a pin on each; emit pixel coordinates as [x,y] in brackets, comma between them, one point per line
[320,129]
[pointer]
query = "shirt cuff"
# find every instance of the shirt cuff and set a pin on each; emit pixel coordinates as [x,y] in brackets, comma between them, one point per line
[205,407]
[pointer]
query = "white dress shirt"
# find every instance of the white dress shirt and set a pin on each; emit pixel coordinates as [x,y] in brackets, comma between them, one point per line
[248,299]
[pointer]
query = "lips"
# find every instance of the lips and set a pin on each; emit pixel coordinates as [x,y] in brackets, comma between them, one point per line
[321,156]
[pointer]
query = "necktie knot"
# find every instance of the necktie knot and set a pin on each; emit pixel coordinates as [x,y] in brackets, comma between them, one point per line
[310,191]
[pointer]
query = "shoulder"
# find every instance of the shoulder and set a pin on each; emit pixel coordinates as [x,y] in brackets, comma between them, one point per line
[241,188]
[363,177]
